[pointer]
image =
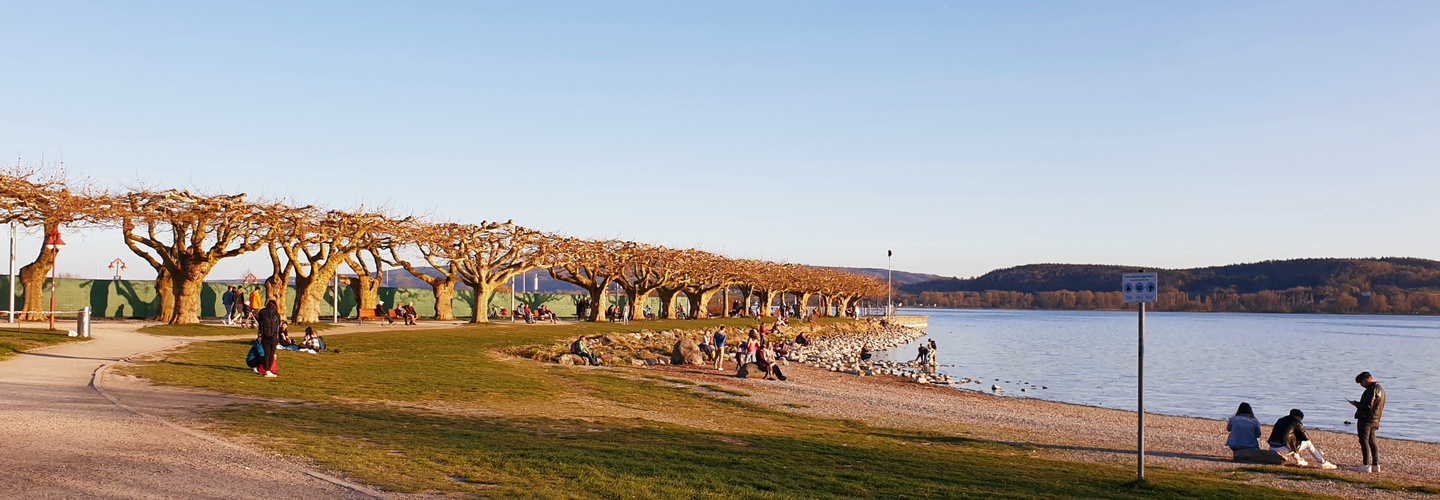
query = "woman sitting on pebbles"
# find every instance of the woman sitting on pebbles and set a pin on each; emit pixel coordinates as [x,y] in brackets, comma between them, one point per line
[1244,440]
[767,363]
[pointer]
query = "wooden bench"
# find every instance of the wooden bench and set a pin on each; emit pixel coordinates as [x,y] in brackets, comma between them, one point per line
[369,313]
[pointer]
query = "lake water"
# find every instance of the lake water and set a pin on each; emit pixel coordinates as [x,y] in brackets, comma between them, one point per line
[1202,364]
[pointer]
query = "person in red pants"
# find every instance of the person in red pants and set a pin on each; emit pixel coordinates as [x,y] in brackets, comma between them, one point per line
[268,322]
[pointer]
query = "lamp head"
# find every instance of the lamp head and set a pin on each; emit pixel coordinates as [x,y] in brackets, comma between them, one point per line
[53,241]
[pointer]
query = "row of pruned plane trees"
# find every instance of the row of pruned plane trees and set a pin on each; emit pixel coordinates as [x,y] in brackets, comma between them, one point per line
[183,235]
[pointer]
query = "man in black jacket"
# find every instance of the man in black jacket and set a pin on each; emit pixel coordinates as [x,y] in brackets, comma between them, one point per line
[1367,420]
[1288,438]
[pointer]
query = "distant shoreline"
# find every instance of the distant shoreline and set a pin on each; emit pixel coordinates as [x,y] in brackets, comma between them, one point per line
[1149,310]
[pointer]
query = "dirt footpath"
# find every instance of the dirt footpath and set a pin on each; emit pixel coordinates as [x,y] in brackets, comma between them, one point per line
[64,439]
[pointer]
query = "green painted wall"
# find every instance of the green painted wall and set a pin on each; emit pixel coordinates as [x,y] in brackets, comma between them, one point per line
[136,299]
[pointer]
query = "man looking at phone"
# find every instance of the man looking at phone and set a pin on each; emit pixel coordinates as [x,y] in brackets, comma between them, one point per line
[1367,420]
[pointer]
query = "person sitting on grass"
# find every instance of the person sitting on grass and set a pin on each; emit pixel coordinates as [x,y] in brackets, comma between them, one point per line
[1288,439]
[579,348]
[1244,440]
[312,341]
[256,356]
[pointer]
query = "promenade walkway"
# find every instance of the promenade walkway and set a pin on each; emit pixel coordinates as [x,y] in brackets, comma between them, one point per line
[64,439]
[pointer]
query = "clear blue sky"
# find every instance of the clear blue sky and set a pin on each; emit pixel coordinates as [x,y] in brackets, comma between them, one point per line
[965,137]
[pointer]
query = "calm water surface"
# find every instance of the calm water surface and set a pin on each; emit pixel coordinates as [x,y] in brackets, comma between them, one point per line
[1202,364]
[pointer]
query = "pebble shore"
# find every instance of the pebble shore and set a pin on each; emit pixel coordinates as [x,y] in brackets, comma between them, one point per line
[834,382]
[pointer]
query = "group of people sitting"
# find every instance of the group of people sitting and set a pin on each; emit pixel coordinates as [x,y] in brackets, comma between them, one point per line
[617,314]
[1288,441]
[763,347]
[405,312]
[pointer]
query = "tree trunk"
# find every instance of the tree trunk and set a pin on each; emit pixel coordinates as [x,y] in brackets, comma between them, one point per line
[444,299]
[32,279]
[366,290]
[276,288]
[745,292]
[597,303]
[636,305]
[187,295]
[766,298]
[309,294]
[667,304]
[480,303]
[804,304]
[700,303]
[165,292]
[725,302]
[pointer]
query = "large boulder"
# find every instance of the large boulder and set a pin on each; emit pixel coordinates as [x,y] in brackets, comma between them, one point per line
[750,370]
[687,352]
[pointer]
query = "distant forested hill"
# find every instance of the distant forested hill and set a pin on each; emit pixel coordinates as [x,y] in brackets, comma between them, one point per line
[1385,285]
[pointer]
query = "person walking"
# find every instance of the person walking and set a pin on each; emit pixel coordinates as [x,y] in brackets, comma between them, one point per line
[257,299]
[1367,420]
[268,322]
[719,340]
[1288,438]
[229,300]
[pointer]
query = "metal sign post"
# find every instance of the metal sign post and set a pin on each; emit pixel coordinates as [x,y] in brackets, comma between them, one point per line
[335,300]
[12,272]
[1140,288]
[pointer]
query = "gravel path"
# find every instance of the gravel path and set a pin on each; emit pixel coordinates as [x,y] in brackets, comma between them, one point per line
[64,439]
[1065,431]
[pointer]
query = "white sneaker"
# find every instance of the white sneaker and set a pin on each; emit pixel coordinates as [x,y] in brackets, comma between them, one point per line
[1328,466]
[1298,461]
[271,375]
[1363,468]
[1375,469]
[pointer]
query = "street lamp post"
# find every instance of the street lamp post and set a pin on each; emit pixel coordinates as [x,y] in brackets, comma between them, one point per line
[12,272]
[53,243]
[889,288]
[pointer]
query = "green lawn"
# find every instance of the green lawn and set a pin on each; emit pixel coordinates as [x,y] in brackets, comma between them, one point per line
[439,411]
[220,330]
[13,340]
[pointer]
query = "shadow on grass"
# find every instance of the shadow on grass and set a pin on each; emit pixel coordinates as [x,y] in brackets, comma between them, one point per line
[625,458]
[1321,475]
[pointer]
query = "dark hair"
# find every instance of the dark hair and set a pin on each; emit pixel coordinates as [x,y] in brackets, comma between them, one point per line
[270,304]
[1297,413]
[1362,377]
[1245,410]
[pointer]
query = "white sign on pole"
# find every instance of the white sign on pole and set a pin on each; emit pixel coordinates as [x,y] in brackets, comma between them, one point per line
[1138,287]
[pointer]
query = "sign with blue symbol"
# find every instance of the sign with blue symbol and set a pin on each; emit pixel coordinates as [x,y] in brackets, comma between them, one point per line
[1138,287]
